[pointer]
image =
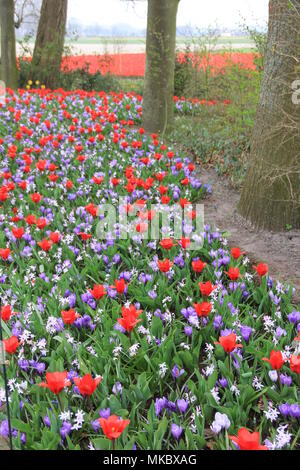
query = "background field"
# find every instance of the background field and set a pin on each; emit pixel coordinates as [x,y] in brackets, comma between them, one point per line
[101,45]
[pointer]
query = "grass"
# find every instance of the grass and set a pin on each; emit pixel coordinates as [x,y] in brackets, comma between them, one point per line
[218,135]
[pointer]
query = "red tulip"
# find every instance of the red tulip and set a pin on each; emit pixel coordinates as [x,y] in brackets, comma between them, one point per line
[191,215]
[54,237]
[45,245]
[295,363]
[98,180]
[119,286]
[141,227]
[233,273]
[41,223]
[6,313]
[165,265]
[131,310]
[92,209]
[129,318]
[98,291]
[206,288]
[276,360]
[236,252]
[84,236]
[128,322]
[18,232]
[151,215]
[30,219]
[115,181]
[247,440]
[113,426]
[185,242]
[261,269]
[167,243]
[163,190]
[4,253]
[198,266]
[87,385]
[228,343]
[203,309]
[11,344]
[36,197]
[69,316]
[165,199]
[56,382]
[184,202]
[41,165]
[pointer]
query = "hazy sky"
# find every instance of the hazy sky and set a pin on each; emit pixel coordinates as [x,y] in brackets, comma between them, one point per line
[192,12]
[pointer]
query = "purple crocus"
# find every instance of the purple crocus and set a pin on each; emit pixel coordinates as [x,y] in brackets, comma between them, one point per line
[104,413]
[176,431]
[246,332]
[182,405]
[176,372]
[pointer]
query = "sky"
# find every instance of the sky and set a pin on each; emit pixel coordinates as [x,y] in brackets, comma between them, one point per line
[201,13]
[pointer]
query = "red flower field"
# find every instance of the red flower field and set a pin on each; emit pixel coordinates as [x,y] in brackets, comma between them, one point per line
[133,65]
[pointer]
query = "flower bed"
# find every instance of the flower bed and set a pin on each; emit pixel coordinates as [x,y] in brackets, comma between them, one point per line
[129,343]
[133,65]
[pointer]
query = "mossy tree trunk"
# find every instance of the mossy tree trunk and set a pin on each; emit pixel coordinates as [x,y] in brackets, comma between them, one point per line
[49,44]
[271,194]
[158,114]
[8,67]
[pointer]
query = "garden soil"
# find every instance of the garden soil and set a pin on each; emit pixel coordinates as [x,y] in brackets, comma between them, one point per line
[281,251]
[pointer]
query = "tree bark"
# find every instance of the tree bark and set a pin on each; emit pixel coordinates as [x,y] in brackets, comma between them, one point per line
[8,68]
[271,194]
[49,44]
[158,108]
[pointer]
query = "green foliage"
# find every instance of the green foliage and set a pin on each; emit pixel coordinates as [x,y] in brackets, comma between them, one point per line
[79,78]
[217,128]
[260,40]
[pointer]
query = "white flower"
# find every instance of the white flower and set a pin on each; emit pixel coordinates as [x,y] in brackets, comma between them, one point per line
[65,416]
[248,277]
[215,393]
[133,349]
[271,413]
[79,420]
[209,370]
[283,438]
[162,369]
[117,350]
[91,350]
[257,384]
[235,390]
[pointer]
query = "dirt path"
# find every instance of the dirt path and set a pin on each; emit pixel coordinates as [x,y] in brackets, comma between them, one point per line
[281,251]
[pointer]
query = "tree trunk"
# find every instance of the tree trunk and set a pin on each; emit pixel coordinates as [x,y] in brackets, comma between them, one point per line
[49,44]
[9,71]
[158,107]
[271,194]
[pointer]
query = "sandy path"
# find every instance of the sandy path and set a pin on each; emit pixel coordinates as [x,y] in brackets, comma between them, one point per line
[281,251]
